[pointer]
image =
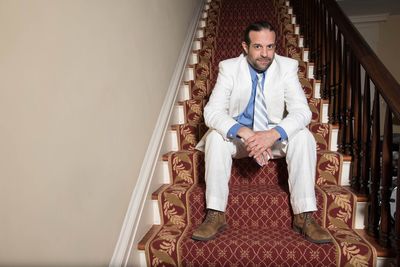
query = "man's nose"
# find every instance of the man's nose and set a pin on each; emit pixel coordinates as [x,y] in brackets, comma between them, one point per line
[264,52]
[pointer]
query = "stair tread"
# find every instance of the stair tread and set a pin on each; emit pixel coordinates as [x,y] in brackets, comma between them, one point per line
[147,236]
[360,197]
[254,245]
[252,206]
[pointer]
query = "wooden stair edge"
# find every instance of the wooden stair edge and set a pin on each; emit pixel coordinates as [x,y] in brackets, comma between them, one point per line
[154,195]
[324,101]
[165,157]
[346,157]
[142,243]
[360,197]
[334,126]
[380,250]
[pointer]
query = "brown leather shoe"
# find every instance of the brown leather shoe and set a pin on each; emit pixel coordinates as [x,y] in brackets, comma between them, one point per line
[303,223]
[214,223]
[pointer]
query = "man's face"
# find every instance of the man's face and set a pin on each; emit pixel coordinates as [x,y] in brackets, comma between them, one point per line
[261,50]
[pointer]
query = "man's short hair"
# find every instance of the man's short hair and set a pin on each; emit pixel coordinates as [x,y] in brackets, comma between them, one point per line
[257,26]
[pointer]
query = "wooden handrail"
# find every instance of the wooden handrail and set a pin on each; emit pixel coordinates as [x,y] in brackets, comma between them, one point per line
[384,81]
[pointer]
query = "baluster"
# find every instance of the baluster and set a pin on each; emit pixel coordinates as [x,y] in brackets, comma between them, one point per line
[312,30]
[343,123]
[317,69]
[325,58]
[332,72]
[321,48]
[348,108]
[330,55]
[315,34]
[303,7]
[366,137]
[386,181]
[373,212]
[337,77]
[356,104]
[308,29]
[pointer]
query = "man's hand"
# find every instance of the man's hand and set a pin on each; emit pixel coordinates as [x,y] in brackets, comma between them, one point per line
[264,157]
[260,142]
[245,133]
[261,153]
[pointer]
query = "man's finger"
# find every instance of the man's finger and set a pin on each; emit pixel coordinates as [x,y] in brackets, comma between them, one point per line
[256,152]
[269,152]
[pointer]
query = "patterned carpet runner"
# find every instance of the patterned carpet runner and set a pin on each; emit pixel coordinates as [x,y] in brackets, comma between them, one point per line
[259,213]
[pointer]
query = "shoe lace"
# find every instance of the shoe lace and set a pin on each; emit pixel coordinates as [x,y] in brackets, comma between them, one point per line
[211,217]
[307,220]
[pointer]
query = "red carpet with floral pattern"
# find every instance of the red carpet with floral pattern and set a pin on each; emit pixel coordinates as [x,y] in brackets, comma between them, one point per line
[259,213]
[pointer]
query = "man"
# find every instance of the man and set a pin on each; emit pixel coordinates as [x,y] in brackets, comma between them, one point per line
[258,109]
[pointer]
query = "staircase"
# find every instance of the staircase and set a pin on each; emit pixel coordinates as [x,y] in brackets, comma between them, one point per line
[259,213]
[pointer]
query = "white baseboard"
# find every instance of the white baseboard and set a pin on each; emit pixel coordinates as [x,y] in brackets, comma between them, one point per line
[135,224]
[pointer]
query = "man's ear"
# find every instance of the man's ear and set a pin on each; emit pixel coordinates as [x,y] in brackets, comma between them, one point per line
[245,48]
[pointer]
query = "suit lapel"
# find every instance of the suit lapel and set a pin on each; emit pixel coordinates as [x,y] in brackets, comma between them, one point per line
[270,82]
[244,84]
[270,77]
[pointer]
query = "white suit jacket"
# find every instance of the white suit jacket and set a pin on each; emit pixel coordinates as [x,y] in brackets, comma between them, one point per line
[286,103]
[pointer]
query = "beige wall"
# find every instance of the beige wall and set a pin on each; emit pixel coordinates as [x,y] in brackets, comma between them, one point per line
[388,52]
[81,86]
[389,44]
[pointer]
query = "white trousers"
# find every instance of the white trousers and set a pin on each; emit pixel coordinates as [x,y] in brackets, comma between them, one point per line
[300,152]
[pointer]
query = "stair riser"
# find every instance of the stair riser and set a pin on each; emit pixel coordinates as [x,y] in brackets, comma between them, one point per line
[319,110]
[361,215]
[247,172]
[190,111]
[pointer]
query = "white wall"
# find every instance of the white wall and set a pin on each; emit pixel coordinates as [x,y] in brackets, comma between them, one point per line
[81,86]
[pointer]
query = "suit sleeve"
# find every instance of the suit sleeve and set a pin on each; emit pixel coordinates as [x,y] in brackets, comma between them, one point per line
[216,114]
[299,114]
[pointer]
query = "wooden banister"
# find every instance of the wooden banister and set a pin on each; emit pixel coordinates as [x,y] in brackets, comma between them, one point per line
[341,56]
[387,85]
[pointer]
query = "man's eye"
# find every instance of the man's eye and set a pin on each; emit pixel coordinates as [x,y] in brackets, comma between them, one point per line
[257,46]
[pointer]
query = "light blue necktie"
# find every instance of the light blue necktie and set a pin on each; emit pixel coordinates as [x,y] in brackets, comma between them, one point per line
[260,122]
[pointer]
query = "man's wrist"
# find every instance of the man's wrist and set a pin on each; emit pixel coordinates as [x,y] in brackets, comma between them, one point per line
[245,132]
[276,134]
[232,133]
[282,133]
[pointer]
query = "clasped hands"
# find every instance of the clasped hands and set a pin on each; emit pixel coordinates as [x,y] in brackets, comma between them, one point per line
[259,144]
